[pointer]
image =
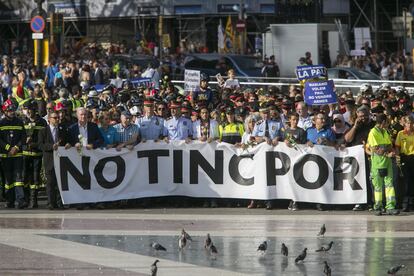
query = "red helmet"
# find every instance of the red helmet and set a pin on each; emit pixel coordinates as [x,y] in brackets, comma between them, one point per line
[9,105]
[60,106]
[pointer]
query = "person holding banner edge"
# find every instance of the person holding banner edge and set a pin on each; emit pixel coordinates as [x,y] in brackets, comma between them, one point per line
[269,131]
[379,146]
[292,136]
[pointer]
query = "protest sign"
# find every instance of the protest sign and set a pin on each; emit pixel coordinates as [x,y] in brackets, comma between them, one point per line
[311,72]
[191,80]
[320,93]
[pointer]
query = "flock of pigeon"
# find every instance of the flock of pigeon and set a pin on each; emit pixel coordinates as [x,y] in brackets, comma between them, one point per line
[208,245]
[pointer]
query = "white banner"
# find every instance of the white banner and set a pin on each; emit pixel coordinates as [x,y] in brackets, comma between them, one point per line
[191,80]
[216,170]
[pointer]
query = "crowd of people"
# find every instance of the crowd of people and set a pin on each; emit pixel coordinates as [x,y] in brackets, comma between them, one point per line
[63,107]
[396,66]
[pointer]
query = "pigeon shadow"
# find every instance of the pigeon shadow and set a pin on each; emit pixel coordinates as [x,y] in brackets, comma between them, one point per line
[302,268]
[284,263]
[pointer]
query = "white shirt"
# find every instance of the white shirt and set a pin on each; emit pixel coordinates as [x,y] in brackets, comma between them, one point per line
[246,137]
[305,123]
[213,129]
[53,130]
[234,83]
[83,132]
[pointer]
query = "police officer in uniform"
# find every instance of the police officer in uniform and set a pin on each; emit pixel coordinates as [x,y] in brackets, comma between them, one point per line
[231,131]
[32,155]
[12,140]
[151,126]
[177,127]
[269,131]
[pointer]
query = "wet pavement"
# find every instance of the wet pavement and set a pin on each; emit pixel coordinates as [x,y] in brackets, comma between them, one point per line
[117,242]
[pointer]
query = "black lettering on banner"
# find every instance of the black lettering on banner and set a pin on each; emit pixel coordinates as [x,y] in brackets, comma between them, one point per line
[178,166]
[82,178]
[340,176]
[323,172]
[235,173]
[120,172]
[271,171]
[152,156]
[215,174]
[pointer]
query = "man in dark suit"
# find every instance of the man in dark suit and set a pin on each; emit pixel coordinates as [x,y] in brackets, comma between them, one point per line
[83,133]
[98,76]
[49,139]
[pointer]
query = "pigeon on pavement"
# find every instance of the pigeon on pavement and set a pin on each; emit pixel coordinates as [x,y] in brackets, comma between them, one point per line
[326,269]
[393,270]
[207,242]
[284,250]
[325,249]
[158,247]
[182,242]
[302,256]
[213,251]
[262,247]
[322,231]
[154,268]
[186,235]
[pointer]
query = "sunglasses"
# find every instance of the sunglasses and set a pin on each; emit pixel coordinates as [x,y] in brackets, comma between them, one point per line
[160,108]
[54,117]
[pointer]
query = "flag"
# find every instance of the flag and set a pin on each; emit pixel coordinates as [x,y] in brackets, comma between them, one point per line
[220,34]
[229,36]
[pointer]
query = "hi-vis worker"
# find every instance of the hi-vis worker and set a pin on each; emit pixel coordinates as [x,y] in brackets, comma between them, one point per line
[379,146]
[19,91]
[231,131]
[32,155]
[12,140]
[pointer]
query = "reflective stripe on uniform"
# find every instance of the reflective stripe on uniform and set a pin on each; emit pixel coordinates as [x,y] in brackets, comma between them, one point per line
[33,187]
[11,128]
[34,127]
[7,156]
[18,184]
[31,153]
[15,184]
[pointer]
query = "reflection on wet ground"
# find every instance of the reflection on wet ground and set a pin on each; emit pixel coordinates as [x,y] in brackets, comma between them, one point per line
[348,256]
[299,224]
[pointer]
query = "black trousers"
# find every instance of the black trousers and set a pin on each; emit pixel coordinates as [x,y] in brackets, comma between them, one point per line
[407,162]
[52,190]
[32,167]
[13,179]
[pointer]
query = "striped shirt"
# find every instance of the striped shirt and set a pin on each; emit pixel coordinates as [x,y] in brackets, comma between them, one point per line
[124,134]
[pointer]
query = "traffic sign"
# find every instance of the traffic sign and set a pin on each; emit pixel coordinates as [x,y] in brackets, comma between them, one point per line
[37,35]
[240,25]
[37,24]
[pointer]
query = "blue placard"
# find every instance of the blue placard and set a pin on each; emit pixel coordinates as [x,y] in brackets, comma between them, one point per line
[311,72]
[320,93]
[99,87]
[136,82]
